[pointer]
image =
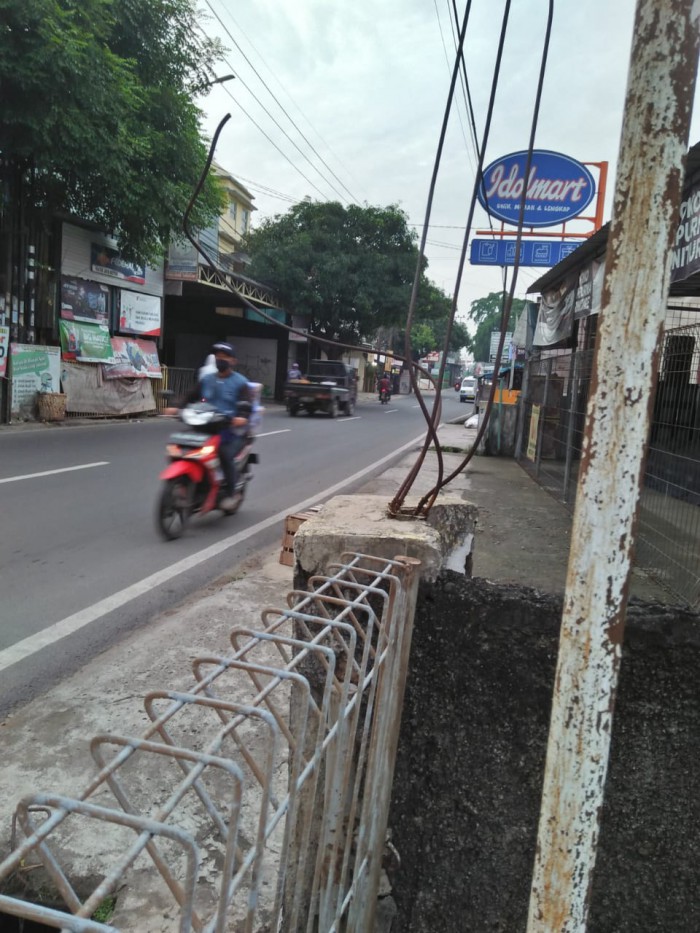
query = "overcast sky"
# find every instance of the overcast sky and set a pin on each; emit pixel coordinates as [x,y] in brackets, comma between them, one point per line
[366,81]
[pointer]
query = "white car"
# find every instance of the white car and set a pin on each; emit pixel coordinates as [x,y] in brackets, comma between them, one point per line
[467,391]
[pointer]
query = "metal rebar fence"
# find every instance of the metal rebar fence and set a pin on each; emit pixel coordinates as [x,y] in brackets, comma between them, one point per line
[248,814]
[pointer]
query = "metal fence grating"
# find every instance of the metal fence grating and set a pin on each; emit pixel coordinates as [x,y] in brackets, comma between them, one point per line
[553,414]
[261,796]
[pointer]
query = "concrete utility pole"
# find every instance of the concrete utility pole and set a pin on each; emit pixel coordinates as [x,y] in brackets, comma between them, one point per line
[654,141]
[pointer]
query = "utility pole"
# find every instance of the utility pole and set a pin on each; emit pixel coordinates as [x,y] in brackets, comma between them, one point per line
[654,142]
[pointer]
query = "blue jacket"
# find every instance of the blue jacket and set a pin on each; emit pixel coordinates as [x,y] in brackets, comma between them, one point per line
[224,393]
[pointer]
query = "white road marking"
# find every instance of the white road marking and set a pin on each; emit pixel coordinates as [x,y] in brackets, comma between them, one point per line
[390,411]
[73,623]
[270,433]
[82,466]
[351,418]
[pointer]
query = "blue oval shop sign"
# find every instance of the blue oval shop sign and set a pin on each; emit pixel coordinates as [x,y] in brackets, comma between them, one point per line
[558,188]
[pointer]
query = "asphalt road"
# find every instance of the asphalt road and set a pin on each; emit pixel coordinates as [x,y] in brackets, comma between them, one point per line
[81,562]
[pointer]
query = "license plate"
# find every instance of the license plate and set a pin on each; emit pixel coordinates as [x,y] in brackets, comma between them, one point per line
[185,439]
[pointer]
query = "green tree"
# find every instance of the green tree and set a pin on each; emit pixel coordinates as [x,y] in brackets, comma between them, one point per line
[349,268]
[99,117]
[486,313]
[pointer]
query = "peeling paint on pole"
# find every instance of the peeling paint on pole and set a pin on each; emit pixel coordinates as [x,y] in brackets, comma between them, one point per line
[660,91]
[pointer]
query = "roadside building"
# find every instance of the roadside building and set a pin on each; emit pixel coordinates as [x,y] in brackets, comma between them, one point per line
[557,385]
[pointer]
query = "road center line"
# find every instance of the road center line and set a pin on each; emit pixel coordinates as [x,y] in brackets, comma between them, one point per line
[82,466]
[270,433]
[73,623]
[351,418]
[391,411]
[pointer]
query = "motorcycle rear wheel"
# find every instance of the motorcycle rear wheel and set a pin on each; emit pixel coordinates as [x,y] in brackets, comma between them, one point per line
[174,507]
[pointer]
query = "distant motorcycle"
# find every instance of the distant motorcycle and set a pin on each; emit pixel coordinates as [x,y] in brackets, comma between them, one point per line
[192,481]
[384,396]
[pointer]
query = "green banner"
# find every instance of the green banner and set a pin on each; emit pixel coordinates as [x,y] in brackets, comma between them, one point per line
[33,369]
[85,343]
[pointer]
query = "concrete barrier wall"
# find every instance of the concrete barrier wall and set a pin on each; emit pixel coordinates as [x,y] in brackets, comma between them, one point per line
[468,779]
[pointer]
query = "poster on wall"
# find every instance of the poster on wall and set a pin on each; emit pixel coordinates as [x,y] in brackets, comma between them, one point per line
[108,261]
[85,343]
[133,359]
[4,350]
[32,369]
[84,301]
[139,313]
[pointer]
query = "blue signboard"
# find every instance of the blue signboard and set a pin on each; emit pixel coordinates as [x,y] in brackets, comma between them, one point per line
[544,253]
[558,188]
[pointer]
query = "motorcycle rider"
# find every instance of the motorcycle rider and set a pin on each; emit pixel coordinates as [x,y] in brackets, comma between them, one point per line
[384,385]
[225,389]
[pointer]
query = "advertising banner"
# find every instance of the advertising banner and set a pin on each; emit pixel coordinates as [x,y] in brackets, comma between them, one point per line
[589,290]
[556,314]
[84,301]
[133,359]
[139,313]
[685,255]
[558,188]
[108,261]
[33,369]
[4,349]
[183,262]
[85,343]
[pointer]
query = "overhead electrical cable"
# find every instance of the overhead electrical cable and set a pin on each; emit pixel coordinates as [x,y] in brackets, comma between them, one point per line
[274,119]
[272,142]
[447,62]
[468,100]
[286,93]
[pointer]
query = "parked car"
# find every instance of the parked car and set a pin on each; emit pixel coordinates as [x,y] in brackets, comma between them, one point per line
[467,391]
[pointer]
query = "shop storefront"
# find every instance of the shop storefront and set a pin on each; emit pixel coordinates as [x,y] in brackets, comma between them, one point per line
[110,326]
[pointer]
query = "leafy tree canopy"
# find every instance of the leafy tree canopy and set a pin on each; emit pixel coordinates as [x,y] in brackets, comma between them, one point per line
[98,116]
[434,309]
[350,269]
[486,313]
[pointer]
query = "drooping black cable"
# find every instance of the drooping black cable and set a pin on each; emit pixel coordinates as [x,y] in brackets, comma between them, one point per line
[398,500]
[430,419]
[273,143]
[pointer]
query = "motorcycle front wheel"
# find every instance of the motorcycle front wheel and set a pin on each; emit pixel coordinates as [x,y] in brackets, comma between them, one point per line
[174,507]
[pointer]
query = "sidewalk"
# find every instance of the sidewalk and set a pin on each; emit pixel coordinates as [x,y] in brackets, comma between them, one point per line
[522,537]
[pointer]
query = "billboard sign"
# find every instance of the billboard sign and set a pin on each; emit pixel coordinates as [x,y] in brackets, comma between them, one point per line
[84,301]
[108,261]
[85,343]
[685,255]
[558,188]
[33,368]
[139,313]
[133,359]
[543,253]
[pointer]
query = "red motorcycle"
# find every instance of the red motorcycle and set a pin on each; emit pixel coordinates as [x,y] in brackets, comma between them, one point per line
[192,481]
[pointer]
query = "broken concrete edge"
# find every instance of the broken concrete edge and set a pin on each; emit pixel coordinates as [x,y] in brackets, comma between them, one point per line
[361,524]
